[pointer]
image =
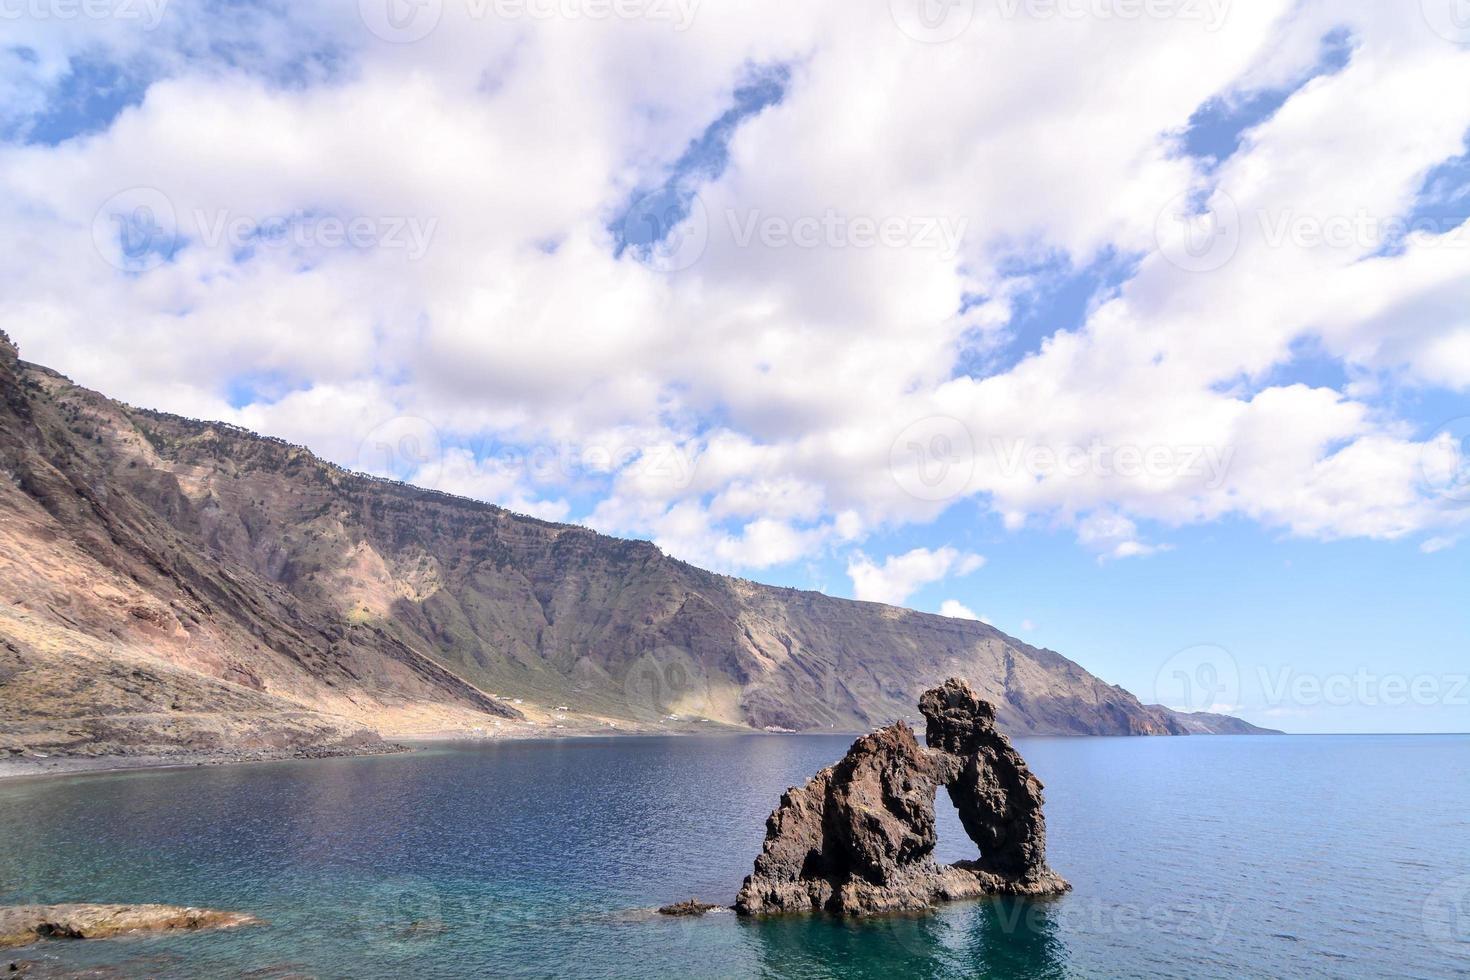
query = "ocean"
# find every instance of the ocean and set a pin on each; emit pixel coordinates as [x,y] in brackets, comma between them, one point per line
[1282,856]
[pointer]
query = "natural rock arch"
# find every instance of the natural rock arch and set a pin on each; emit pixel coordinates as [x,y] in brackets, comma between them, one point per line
[859,838]
[998,799]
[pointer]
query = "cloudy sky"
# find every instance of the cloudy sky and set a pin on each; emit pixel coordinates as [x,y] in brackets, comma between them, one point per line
[1136,327]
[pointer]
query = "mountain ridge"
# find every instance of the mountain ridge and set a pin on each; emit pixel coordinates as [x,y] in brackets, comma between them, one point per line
[269,597]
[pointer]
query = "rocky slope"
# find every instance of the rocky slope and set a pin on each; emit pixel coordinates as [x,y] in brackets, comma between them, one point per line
[168,584]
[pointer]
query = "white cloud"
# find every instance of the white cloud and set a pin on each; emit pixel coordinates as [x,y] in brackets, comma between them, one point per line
[752,405]
[493,481]
[900,576]
[955,609]
[688,531]
[1113,536]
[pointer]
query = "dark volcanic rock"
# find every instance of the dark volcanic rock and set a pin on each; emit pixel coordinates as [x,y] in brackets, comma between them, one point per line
[693,907]
[998,799]
[859,838]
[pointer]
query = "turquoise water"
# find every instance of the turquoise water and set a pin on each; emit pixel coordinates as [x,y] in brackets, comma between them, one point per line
[1274,856]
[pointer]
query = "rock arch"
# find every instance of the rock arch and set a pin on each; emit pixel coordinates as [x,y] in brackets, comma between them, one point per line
[859,838]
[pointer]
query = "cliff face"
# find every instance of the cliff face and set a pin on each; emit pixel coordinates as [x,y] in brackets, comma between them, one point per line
[164,581]
[124,631]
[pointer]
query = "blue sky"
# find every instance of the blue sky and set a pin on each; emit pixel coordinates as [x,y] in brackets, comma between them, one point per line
[741,281]
[1281,608]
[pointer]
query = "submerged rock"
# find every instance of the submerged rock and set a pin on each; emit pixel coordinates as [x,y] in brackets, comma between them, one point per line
[693,907]
[22,925]
[859,838]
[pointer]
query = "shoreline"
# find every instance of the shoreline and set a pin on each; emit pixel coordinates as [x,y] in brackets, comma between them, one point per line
[22,770]
[15,770]
[27,768]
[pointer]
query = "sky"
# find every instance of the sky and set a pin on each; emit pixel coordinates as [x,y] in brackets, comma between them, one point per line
[1137,328]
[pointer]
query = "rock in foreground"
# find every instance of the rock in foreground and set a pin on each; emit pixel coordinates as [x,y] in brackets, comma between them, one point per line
[25,924]
[859,838]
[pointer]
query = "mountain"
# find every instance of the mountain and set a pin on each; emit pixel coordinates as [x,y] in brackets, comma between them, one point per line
[167,584]
[1210,723]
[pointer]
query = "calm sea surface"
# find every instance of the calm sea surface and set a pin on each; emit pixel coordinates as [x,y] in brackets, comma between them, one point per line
[1191,857]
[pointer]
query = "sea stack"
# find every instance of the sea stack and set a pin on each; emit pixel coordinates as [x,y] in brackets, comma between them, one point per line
[858,839]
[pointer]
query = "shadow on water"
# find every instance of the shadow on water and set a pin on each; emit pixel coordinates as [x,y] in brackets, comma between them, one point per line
[997,938]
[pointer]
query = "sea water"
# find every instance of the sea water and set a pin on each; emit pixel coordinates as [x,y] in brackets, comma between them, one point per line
[1190,857]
